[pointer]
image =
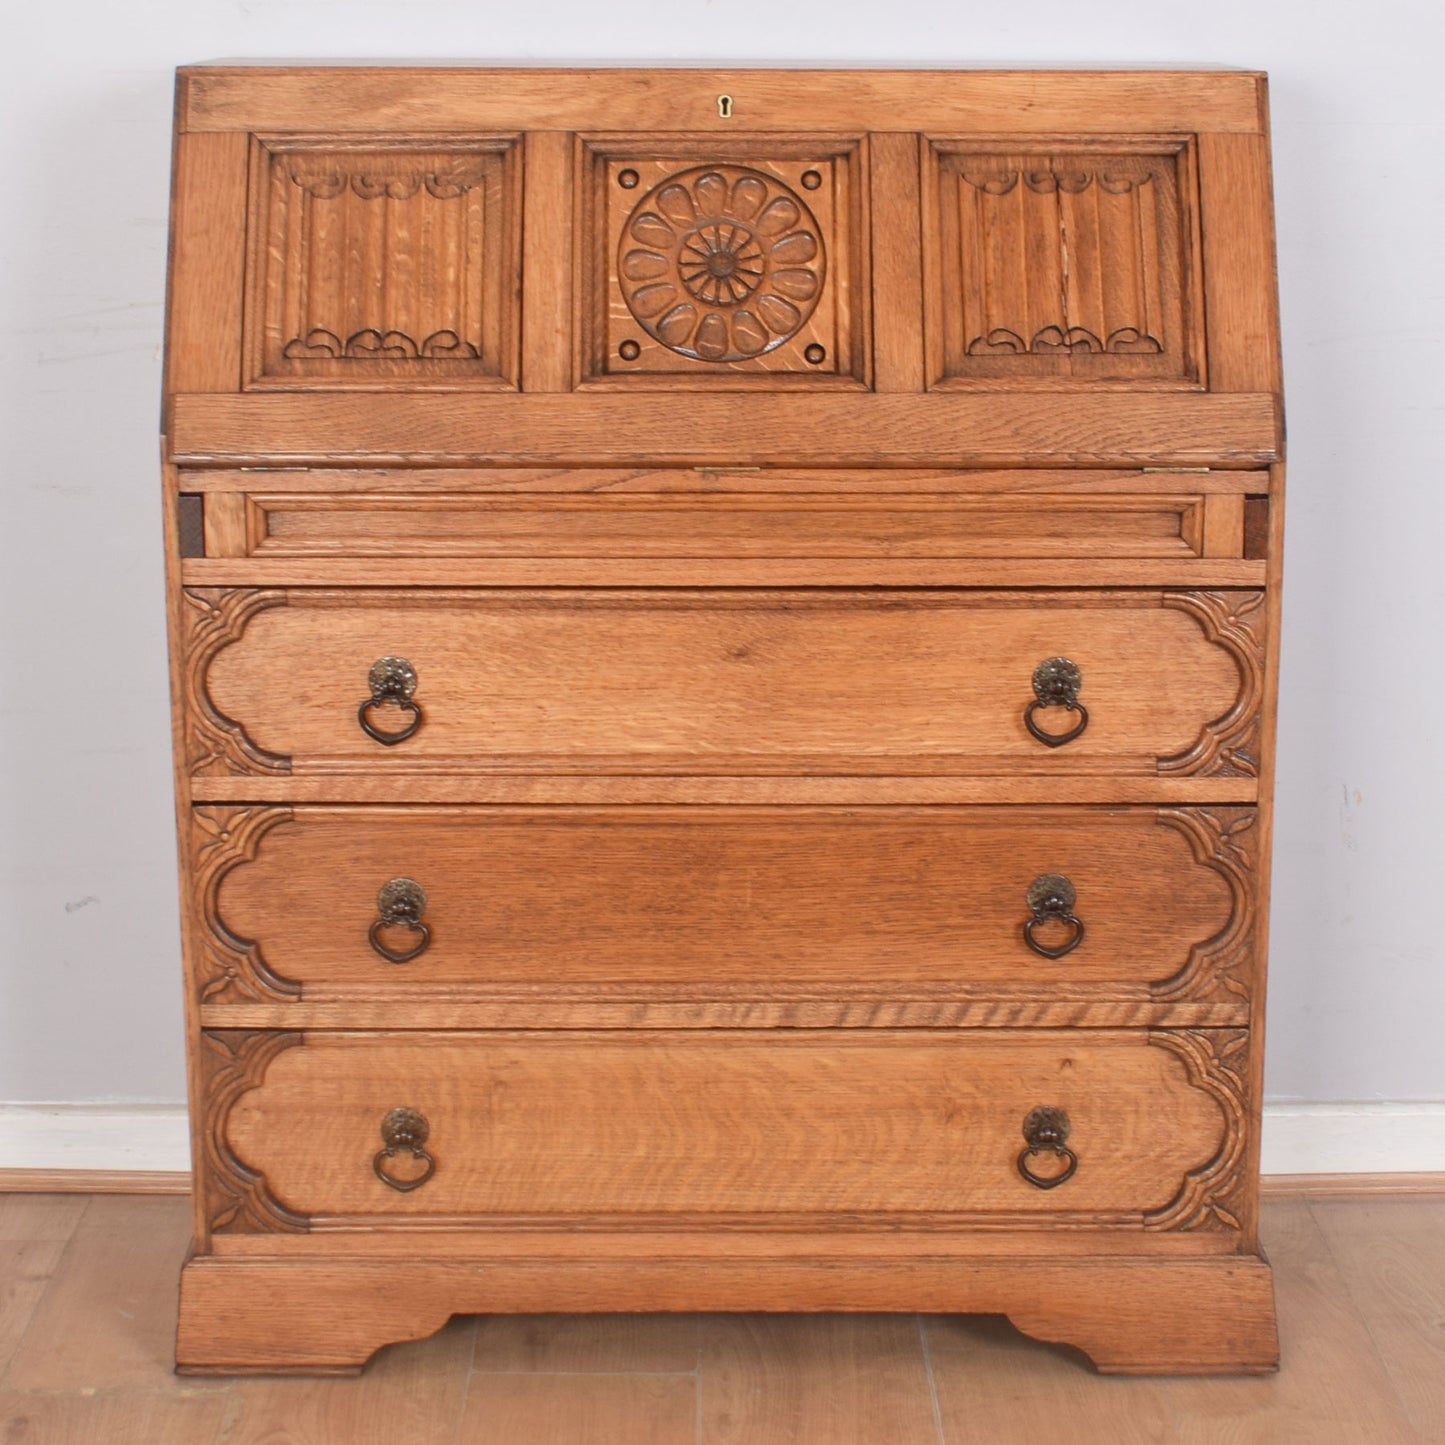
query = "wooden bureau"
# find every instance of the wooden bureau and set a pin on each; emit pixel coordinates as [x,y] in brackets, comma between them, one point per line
[723,640]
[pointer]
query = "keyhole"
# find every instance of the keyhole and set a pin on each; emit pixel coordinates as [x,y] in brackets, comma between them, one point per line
[725,107]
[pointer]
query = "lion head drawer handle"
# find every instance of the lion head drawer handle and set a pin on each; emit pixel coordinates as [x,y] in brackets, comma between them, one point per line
[404,1131]
[1046,1131]
[401,904]
[1051,900]
[1056,684]
[392,681]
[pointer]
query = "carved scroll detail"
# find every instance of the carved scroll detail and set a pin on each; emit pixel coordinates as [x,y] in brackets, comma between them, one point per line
[1218,969]
[1228,747]
[323,180]
[1212,1195]
[373,345]
[1115,179]
[237,1200]
[231,968]
[1057,338]
[215,744]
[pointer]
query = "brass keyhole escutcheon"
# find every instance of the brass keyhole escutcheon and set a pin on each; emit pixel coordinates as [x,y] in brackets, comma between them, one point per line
[725,107]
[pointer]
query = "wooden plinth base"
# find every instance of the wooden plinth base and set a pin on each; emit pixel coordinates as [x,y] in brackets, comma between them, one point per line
[260,1315]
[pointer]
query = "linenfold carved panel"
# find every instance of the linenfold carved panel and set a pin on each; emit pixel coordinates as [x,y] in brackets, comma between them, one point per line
[383,262]
[733,263]
[1065,264]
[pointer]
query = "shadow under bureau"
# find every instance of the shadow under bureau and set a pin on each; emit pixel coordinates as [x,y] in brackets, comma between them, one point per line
[723,642]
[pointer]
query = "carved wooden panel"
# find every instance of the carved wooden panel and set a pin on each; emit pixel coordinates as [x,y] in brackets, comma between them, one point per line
[236,1196]
[1215,1194]
[383,262]
[1071,262]
[212,619]
[722,262]
[230,968]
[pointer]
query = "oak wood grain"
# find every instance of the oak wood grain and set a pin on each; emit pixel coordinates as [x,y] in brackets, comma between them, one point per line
[811,1124]
[369,98]
[971,482]
[1240,429]
[207,264]
[762,900]
[718,528]
[708,572]
[862,683]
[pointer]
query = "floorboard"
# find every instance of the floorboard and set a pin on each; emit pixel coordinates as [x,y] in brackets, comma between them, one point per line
[87,1314]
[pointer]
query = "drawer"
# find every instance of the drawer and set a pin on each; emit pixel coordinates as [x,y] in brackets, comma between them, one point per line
[794,682]
[720,526]
[723,1125]
[411,903]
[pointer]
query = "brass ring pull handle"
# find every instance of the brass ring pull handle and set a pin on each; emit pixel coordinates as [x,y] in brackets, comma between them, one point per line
[1056,684]
[1046,1131]
[392,681]
[401,904]
[404,1131]
[1051,900]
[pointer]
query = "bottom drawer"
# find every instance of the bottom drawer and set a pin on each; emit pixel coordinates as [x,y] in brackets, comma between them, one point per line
[330,1129]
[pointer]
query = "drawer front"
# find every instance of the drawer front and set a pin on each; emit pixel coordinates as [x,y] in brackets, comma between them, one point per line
[728,526]
[691,682]
[413,903]
[331,1128]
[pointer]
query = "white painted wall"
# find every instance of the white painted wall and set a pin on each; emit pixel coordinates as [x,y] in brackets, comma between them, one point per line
[89,990]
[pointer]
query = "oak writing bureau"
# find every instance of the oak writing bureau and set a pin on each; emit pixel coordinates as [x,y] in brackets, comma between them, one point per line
[723,632]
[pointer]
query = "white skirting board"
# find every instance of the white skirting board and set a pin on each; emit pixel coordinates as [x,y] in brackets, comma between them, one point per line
[1347,1138]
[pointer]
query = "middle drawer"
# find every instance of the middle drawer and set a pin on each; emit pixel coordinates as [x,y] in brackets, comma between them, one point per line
[1128,905]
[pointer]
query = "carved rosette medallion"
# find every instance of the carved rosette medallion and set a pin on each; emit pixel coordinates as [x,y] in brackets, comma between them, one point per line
[721,263]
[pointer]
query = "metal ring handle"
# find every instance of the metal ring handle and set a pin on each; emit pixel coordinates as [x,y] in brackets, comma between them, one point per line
[392,681]
[1056,682]
[1056,740]
[1045,1131]
[403,1131]
[400,904]
[1059,950]
[1051,900]
[399,955]
[386,739]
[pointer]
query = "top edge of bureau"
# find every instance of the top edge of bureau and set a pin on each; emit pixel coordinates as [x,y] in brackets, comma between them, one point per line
[360,96]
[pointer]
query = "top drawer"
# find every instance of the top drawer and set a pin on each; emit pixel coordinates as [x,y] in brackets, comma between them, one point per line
[724,682]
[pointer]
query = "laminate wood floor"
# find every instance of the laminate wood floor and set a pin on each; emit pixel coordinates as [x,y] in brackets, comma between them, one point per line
[87,1312]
